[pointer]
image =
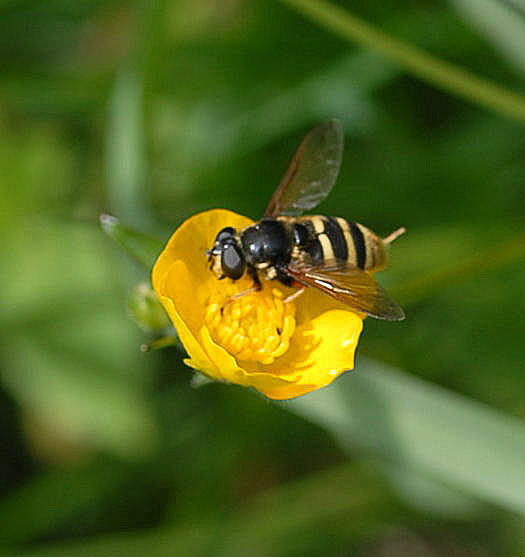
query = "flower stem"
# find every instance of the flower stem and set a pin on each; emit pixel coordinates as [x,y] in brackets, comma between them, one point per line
[159,343]
[417,288]
[440,73]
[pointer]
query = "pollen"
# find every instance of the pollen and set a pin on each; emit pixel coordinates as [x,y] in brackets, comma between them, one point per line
[254,327]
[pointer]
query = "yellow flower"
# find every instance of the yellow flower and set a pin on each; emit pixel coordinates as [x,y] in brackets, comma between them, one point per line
[282,348]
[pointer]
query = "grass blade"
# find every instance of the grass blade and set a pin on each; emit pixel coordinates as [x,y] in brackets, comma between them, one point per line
[447,76]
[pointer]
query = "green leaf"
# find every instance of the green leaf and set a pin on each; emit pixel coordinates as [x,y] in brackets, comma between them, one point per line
[419,426]
[142,247]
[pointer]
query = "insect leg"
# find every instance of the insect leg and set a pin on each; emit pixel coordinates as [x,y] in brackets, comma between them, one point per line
[252,271]
[295,295]
[254,288]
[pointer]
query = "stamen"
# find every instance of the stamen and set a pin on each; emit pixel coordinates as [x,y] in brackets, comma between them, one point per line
[256,326]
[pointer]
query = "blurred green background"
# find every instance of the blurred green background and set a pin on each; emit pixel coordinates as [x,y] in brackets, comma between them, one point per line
[153,111]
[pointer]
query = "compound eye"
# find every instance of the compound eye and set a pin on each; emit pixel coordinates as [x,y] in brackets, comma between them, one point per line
[225,233]
[232,262]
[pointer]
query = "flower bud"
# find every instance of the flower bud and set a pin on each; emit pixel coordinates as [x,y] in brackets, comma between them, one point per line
[146,309]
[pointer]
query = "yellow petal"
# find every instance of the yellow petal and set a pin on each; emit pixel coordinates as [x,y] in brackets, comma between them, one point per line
[199,358]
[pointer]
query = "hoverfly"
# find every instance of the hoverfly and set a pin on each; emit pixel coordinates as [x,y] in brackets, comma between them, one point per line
[331,254]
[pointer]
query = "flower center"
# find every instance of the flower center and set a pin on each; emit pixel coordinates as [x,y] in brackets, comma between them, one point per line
[254,327]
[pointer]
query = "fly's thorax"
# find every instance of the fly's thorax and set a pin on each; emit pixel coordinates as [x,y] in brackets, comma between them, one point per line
[267,243]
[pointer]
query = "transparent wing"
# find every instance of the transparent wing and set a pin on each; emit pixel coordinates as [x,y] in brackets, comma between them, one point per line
[349,285]
[312,171]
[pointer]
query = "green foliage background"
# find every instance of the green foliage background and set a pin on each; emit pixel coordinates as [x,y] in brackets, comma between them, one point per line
[153,111]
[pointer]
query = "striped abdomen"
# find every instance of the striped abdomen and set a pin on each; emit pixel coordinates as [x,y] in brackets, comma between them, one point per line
[326,238]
